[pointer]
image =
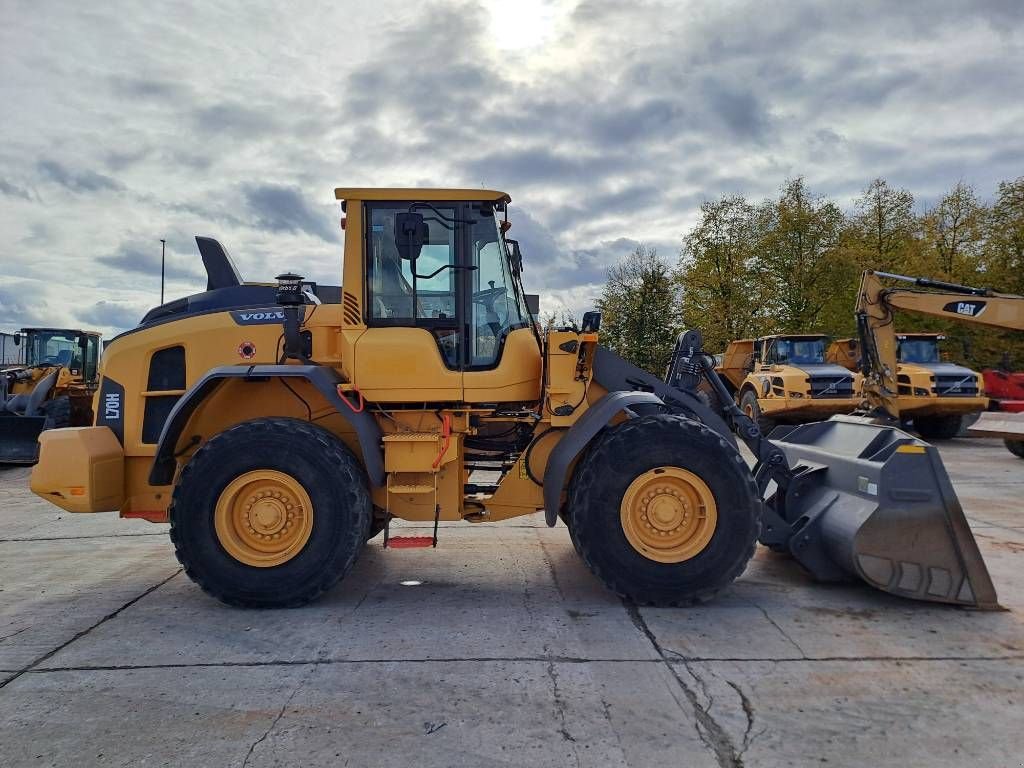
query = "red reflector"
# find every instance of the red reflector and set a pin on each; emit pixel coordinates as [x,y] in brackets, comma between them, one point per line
[343,221]
[409,542]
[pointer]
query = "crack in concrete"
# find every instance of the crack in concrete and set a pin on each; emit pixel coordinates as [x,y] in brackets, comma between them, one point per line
[709,731]
[513,659]
[79,538]
[78,635]
[275,721]
[748,709]
[562,730]
[8,637]
[775,624]
[546,556]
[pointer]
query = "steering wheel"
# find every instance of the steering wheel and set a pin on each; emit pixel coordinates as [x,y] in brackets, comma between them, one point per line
[487,298]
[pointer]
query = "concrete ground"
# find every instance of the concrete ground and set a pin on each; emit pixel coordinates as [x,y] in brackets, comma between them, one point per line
[498,648]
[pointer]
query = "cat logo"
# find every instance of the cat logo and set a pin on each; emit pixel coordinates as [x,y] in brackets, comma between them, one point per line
[965,308]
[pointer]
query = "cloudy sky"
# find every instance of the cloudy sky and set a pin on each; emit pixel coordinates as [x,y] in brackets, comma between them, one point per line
[607,122]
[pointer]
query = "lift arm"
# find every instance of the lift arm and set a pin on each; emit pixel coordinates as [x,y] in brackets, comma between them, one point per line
[877,303]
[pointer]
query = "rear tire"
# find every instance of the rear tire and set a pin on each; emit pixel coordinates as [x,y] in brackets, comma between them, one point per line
[750,406]
[1016,447]
[315,466]
[938,427]
[626,454]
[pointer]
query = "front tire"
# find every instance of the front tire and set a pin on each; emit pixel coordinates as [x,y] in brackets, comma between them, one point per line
[938,427]
[270,513]
[1016,447]
[749,405]
[664,511]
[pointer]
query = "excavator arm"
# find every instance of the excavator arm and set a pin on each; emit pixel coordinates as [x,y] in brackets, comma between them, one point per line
[878,302]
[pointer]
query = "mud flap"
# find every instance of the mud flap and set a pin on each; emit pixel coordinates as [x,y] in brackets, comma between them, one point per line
[19,439]
[876,503]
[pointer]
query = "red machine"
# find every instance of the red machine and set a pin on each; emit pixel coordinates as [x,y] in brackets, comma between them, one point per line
[1005,389]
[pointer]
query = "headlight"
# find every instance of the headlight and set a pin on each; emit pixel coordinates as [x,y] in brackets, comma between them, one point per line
[796,395]
[919,392]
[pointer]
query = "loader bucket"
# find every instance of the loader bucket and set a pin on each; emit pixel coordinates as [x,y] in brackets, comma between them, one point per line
[873,502]
[19,439]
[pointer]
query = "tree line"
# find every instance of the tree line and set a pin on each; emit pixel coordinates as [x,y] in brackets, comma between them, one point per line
[792,264]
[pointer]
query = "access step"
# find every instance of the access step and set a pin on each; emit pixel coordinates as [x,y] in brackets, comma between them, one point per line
[410,542]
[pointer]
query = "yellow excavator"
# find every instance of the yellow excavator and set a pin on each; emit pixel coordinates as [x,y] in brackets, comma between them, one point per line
[878,303]
[52,388]
[933,394]
[280,429]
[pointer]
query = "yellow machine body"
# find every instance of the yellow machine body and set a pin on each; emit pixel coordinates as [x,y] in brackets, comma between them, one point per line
[788,390]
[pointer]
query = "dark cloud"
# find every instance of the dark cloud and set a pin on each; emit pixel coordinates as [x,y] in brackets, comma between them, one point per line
[77,181]
[149,88]
[111,314]
[286,209]
[140,258]
[13,190]
[234,119]
[21,306]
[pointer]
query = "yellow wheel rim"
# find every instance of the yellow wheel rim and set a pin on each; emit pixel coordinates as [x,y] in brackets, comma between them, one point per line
[263,518]
[668,514]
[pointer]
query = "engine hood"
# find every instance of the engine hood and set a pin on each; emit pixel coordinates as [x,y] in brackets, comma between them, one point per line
[944,369]
[824,369]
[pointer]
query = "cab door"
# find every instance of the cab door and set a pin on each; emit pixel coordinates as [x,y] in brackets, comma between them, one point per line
[412,346]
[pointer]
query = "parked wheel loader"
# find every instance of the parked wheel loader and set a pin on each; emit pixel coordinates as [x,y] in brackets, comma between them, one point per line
[786,379]
[53,388]
[935,395]
[280,429]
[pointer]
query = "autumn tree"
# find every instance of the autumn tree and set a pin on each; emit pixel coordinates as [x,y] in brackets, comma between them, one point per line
[881,231]
[640,308]
[720,293]
[805,275]
[953,232]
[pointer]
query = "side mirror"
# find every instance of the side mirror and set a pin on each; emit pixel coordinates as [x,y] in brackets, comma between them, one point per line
[515,256]
[410,235]
[533,303]
[17,339]
[591,322]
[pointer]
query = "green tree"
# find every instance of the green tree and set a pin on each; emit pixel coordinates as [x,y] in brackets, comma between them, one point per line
[1003,256]
[953,233]
[881,231]
[805,273]
[640,307]
[720,293]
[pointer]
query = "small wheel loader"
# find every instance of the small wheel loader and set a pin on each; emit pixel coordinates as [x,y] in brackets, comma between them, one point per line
[280,429]
[53,388]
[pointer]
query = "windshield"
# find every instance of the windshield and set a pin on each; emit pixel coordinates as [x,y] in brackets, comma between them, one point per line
[53,348]
[798,351]
[919,351]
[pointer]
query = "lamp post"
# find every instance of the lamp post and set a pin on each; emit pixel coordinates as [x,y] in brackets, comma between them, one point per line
[163,256]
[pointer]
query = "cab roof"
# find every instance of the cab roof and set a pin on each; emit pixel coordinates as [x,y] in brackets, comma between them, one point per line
[63,330]
[415,193]
[793,336]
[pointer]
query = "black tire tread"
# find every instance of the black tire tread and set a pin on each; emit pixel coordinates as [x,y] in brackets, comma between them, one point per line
[349,471]
[1016,447]
[624,439]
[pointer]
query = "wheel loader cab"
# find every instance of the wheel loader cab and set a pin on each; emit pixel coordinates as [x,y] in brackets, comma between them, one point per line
[434,264]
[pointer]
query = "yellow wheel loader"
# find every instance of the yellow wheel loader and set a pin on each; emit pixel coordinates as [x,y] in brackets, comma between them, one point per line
[53,388]
[278,430]
[786,379]
[933,394]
